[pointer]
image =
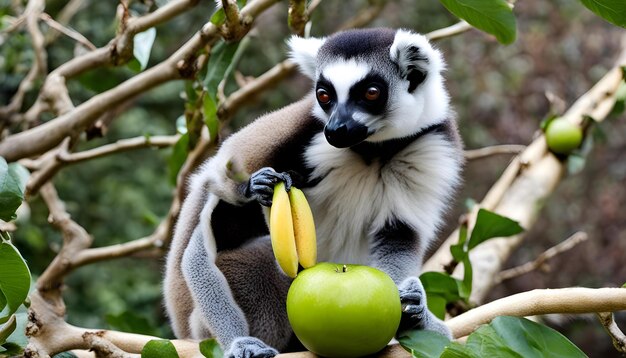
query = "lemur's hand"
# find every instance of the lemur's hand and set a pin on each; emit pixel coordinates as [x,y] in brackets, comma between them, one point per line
[250,347]
[262,182]
[415,313]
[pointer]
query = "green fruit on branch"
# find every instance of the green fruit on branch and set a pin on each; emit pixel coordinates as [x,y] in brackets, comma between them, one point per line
[563,136]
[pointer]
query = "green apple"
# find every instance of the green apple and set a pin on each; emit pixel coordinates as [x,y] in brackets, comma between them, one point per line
[563,136]
[343,310]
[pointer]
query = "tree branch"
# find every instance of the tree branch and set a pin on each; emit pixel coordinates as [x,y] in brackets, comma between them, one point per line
[76,36]
[473,154]
[538,302]
[617,336]
[121,145]
[540,261]
[178,65]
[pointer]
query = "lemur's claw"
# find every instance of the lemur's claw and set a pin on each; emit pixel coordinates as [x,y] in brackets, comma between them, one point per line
[262,182]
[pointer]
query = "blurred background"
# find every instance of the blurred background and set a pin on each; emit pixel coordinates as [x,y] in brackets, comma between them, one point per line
[499,93]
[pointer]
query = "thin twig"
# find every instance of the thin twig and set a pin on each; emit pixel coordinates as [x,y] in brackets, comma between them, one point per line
[540,261]
[617,336]
[121,145]
[473,154]
[449,31]
[78,37]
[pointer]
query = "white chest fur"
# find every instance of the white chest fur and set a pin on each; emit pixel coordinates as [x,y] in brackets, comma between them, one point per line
[355,199]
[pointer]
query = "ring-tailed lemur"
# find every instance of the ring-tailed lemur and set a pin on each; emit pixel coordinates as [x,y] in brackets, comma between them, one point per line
[375,149]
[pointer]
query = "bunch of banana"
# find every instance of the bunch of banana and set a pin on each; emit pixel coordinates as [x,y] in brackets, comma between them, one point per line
[292,230]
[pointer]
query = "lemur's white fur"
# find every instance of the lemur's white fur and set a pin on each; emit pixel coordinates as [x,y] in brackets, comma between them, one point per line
[414,187]
[303,51]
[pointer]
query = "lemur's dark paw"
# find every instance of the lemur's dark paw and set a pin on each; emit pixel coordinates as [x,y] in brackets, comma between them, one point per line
[261,185]
[415,313]
[413,300]
[249,347]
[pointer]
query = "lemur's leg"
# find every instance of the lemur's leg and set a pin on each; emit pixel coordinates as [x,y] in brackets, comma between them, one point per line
[397,250]
[260,288]
[211,295]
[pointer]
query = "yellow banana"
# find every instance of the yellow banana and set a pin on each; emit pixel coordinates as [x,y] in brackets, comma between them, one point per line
[304,228]
[292,230]
[281,231]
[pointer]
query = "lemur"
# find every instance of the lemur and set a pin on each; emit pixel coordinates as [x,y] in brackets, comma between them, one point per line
[376,150]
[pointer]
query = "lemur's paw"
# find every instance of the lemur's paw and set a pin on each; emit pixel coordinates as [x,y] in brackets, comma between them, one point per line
[413,300]
[415,313]
[262,182]
[250,347]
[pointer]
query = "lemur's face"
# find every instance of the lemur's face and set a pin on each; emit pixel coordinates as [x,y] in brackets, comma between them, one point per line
[372,85]
[352,98]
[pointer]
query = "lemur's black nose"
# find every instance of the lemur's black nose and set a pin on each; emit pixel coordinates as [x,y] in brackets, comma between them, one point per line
[343,131]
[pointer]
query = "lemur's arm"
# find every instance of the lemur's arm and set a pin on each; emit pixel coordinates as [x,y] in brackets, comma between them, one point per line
[398,250]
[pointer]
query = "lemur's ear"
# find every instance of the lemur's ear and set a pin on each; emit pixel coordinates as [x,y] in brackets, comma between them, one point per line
[303,51]
[415,57]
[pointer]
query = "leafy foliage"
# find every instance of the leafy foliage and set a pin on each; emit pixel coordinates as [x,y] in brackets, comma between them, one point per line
[159,348]
[13,179]
[14,280]
[505,336]
[211,349]
[442,288]
[613,11]
[492,16]
[142,46]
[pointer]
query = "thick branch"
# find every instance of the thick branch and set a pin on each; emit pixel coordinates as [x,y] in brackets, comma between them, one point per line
[538,302]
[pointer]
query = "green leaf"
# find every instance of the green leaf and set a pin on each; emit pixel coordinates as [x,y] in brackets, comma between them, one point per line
[440,284]
[129,321]
[457,350]
[490,225]
[178,157]
[486,342]
[531,339]
[624,285]
[209,111]
[11,350]
[492,16]
[14,279]
[18,337]
[142,46]
[13,179]
[159,348]
[437,305]
[465,289]
[424,344]
[575,163]
[613,11]
[221,57]
[7,328]
[211,349]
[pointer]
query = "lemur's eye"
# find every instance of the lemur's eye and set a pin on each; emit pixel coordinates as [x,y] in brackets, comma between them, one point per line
[322,96]
[372,93]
